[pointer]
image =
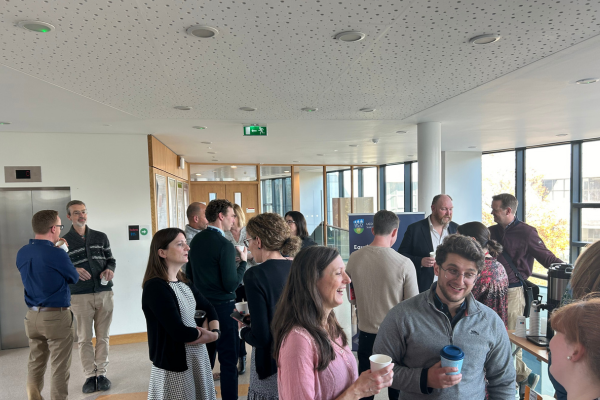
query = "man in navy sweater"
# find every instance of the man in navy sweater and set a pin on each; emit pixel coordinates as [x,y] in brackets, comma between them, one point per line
[214,272]
[46,272]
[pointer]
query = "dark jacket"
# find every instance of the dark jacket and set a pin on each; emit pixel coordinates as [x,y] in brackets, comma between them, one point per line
[523,244]
[92,254]
[416,245]
[307,241]
[167,334]
[264,284]
[212,267]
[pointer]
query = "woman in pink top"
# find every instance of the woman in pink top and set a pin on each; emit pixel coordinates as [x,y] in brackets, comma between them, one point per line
[311,349]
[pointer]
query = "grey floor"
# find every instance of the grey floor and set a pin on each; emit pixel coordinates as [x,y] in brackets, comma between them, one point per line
[129,371]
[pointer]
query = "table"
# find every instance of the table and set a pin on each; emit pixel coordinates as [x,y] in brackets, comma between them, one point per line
[541,353]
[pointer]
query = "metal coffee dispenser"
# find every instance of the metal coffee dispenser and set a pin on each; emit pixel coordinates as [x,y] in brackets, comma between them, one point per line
[559,276]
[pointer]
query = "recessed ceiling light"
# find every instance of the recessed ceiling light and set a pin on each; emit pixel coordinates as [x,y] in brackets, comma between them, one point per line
[350,36]
[202,31]
[286,171]
[367,109]
[211,152]
[410,155]
[199,127]
[247,108]
[210,147]
[353,145]
[198,174]
[214,159]
[320,155]
[310,109]
[183,108]
[587,81]
[365,162]
[206,142]
[485,39]
[401,132]
[233,166]
[4,123]
[562,134]
[36,26]
[295,161]
[335,150]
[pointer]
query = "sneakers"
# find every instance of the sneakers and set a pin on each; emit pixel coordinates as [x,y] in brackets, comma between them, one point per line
[104,383]
[90,385]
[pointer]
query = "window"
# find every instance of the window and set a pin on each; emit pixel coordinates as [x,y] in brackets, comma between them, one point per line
[338,189]
[415,187]
[365,190]
[590,172]
[276,189]
[394,188]
[547,197]
[498,176]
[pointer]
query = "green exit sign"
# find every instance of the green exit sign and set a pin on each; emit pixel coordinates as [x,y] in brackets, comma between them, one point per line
[255,131]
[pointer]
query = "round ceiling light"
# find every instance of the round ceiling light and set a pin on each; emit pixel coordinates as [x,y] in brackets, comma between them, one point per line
[36,26]
[233,166]
[202,31]
[295,161]
[198,174]
[286,171]
[485,39]
[410,155]
[350,36]
[320,155]
[587,81]
[310,109]
[4,123]
[211,152]
[199,127]
[206,142]
[367,109]
[562,134]
[247,108]
[472,147]
[401,132]
[183,108]
[353,145]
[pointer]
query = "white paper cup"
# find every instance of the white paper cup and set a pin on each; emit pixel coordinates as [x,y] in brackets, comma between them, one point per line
[240,248]
[432,254]
[242,307]
[379,361]
[520,328]
[62,244]
[103,281]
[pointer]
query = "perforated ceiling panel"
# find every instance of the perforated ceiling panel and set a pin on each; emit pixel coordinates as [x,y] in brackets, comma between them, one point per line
[280,56]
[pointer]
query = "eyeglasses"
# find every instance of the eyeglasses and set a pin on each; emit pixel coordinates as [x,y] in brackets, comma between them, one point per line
[78,213]
[290,221]
[452,273]
[247,241]
[59,226]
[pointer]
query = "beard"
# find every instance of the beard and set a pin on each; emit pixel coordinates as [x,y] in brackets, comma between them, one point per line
[79,224]
[443,220]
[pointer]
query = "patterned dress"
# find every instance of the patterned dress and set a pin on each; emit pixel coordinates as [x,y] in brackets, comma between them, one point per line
[261,389]
[491,288]
[196,382]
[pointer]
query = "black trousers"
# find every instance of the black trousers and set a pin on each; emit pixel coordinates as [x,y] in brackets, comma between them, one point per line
[227,348]
[365,350]
[240,295]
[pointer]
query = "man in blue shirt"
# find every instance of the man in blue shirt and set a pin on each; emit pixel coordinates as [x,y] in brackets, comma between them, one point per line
[46,272]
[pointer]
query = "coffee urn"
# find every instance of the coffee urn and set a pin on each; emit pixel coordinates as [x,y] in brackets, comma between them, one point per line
[558,279]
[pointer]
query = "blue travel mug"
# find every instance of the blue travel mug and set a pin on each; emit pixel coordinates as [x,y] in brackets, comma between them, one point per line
[452,356]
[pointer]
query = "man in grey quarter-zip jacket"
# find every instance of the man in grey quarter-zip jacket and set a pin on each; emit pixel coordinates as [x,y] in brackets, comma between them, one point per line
[414,332]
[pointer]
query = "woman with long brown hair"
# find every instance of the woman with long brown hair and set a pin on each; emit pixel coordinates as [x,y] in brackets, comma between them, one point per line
[181,367]
[313,357]
[269,238]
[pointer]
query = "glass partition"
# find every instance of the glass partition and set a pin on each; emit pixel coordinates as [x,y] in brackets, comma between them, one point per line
[365,190]
[498,176]
[310,189]
[590,172]
[276,189]
[415,187]
[338,196]
[222,173]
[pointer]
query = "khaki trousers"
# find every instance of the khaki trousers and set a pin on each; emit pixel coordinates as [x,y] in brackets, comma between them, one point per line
[516,306]
[50,333]
[93,310]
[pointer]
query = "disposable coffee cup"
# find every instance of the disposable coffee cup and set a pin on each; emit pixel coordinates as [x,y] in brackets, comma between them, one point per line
[432,254]
[242,307]
[379,361]
[62,244]
[103,281]
[452,356]
[240,248]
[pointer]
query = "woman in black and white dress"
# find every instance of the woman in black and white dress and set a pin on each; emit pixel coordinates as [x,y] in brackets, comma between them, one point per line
[181,367]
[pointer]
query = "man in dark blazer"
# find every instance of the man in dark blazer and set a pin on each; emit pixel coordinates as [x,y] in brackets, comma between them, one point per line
[423,237]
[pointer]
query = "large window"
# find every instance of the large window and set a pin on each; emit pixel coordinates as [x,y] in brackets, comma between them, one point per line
[498,176]
[590,191]
[276,189]
[415,187]
[338,189]
[365,190]
[394,188]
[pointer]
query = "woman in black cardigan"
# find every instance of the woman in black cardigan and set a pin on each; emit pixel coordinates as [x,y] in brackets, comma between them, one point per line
[268,238]
[181,367]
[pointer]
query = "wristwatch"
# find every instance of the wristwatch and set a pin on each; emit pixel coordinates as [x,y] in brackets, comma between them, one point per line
[218,333]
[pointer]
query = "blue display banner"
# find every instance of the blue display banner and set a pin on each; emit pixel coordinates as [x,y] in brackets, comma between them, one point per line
[360,228]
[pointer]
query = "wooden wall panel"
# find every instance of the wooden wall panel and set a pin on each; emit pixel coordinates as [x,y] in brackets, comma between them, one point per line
[199,191]
[163,158]
[249,196]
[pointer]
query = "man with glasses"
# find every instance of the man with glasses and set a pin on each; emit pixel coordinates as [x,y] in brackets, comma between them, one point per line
[414,332]
[212,269]
[91,297]
[46,272]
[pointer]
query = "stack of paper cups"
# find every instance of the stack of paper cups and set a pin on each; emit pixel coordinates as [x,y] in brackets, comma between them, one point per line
[520,329]
[534,320]
[543,326]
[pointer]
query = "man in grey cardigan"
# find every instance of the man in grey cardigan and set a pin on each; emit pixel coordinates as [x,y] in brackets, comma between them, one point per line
[414,332]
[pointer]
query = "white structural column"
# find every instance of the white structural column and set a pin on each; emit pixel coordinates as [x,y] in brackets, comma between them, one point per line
[429,156]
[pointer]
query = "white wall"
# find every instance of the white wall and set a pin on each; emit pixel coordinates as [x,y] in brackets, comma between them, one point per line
[311,198]
[461,179]
[110,174]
